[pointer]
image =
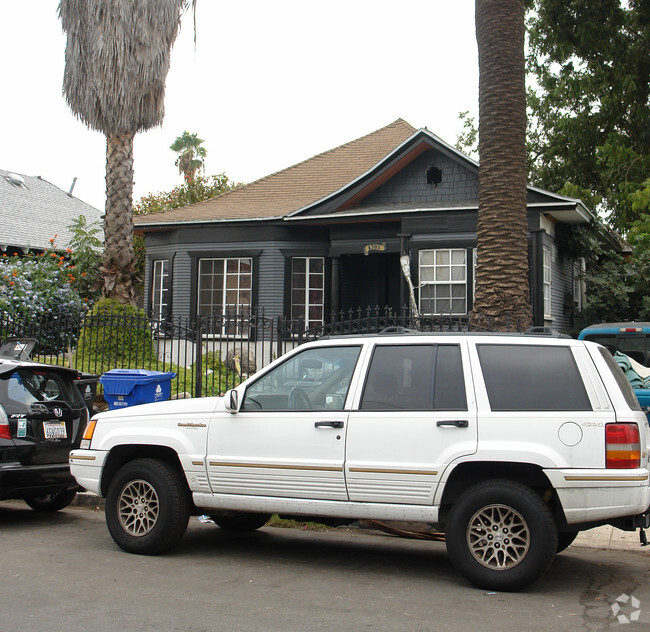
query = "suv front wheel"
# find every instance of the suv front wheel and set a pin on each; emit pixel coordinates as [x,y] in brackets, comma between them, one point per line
[147,506]
[501,535]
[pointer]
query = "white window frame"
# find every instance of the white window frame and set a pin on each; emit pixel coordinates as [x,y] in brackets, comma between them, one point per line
[307,304]
[579,268]
[547,269]
[160,288]
[439,274]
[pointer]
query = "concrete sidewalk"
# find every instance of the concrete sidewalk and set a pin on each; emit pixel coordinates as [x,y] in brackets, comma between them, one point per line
[598,538]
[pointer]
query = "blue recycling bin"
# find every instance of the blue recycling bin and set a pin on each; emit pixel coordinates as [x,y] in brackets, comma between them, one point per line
[130,387]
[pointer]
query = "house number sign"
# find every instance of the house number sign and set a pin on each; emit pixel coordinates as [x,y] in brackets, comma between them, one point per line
[374,248]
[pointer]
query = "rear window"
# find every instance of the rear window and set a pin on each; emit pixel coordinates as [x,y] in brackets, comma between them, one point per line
[27,386]
[532,378]
[633,345]
[621,380]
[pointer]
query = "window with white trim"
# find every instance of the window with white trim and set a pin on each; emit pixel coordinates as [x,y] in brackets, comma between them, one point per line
[547,282]
[225,287]
[160,288]
[443,281]
[307,289]
[578,283]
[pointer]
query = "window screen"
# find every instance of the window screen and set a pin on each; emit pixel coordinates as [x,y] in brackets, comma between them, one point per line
[532,377]
[415,377]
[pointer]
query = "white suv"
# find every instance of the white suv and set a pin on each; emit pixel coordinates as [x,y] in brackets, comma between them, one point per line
[510,444]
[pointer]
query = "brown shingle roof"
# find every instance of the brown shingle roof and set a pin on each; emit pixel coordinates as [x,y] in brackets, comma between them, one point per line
[291,189]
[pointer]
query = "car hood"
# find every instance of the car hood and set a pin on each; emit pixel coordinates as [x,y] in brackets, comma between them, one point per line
[181,407]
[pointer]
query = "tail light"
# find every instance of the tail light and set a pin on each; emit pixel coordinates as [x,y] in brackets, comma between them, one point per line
[5,430]
[622,446]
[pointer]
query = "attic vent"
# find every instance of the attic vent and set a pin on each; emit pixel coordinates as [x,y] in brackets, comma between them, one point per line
[15,179]
[434,176]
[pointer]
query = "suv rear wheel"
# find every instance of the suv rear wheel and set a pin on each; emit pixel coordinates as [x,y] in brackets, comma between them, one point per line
[49,503]
[501,535]
[147,506]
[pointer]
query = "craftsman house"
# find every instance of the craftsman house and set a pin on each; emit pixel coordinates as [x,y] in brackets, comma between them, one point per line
[326,235]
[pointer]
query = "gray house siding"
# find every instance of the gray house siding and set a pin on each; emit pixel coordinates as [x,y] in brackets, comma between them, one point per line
[410,185]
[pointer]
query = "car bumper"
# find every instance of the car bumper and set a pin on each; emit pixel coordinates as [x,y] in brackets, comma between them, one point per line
[21,481]
[86,467]
[601,495]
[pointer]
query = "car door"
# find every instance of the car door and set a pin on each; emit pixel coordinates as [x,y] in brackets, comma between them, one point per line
[288,438]
[415,413]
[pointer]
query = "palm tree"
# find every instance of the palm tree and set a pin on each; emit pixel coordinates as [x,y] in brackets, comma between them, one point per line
[502,290]
[191,156]
[116,63]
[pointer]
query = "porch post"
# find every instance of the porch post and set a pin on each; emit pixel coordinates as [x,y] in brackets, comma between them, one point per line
[335,286]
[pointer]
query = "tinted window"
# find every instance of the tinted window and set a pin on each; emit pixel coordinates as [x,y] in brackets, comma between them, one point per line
[532,377]
[27,386]
[317,378]
[415,377]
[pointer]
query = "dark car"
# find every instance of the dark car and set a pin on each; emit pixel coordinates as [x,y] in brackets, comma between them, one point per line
[42,417]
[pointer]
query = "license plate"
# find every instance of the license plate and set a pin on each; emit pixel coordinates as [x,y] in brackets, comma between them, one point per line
[55,430]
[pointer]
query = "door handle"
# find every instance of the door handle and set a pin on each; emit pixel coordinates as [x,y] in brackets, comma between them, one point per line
[328,424]
[459,423]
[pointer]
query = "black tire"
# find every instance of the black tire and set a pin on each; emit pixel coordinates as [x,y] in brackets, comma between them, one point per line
[147,506]
[239,520]
[501,535]
[50,503]
[565,540]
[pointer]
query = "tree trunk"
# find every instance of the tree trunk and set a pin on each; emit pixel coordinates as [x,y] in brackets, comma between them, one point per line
[118,267]
[502,298]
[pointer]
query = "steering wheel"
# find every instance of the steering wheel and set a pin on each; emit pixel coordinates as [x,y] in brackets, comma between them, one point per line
[298,399]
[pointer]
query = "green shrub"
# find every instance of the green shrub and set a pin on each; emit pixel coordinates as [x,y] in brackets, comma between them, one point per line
[115,335]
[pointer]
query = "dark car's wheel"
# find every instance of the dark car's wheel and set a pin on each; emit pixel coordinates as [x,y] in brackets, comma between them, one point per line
[501,535]
[49,503]
[240,521]
[565,540]
[147,506]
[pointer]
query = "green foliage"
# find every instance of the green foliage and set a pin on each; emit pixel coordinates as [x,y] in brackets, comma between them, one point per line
[114,335]
[86,246]
[467,140]
[190,192]
[589,111]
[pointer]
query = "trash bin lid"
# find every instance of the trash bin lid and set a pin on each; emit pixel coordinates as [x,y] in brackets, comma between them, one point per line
[122,381]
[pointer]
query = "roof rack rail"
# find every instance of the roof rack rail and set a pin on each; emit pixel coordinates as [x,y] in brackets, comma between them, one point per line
[387,331]
[544,331]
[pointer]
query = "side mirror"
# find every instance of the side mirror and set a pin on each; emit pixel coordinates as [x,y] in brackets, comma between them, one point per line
[232,401]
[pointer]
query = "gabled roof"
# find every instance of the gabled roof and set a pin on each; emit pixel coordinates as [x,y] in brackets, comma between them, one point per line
[286,191]
[33,210]
[337,180]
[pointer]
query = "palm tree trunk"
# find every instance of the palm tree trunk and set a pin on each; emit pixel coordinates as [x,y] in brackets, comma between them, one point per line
[118,267]
[502,292]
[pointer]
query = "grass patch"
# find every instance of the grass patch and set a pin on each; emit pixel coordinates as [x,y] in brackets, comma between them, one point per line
[282,523]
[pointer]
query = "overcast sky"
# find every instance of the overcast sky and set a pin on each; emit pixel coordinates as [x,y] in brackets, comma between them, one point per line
[269,84]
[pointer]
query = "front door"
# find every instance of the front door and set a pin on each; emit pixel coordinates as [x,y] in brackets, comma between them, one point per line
[370,281]
[415,414]
[288,440]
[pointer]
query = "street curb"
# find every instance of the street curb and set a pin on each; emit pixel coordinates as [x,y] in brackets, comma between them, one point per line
[88,499]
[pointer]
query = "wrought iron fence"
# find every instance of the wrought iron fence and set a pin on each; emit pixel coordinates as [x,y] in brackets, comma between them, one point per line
[208,355]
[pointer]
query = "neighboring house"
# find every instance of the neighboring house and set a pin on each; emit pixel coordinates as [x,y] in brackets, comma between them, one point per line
[33,211]
[326,235]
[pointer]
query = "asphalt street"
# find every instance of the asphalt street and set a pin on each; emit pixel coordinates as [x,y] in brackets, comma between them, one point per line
[63,572]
